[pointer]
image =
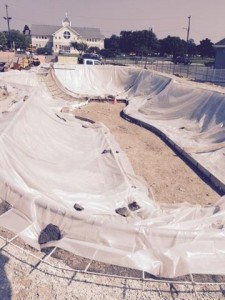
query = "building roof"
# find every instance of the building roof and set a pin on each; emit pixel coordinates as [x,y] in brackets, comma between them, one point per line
[37,29]
[66,20]
[220,43]
[89,32]
[47,30]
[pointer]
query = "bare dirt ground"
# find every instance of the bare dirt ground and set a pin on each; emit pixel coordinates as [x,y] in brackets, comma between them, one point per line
[170,180]
[6,56]
[10,57]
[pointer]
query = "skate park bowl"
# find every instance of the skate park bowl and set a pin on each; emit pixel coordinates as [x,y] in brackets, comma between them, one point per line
[71,175]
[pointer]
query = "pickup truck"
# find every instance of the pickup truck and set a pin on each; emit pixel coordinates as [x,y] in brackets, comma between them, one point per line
[90,59]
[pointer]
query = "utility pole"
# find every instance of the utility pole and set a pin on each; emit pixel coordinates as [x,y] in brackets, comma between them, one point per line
[7,18]
[188,31]
[148,33]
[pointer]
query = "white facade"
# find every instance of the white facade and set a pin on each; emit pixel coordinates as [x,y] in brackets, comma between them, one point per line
[59,39]
[63,38]
[40,41]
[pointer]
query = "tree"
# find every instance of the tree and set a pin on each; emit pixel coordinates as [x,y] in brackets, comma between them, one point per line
[141,42]
[192,48]
[81,47]
[205,48]
[93,50]
[145,42]
[107,53]
[3,41]
[126,43]
[17,39]
[172,45]
[113,43]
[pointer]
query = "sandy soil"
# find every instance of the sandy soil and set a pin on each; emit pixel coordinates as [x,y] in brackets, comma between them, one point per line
[6,56]
[11,57]
[170,180]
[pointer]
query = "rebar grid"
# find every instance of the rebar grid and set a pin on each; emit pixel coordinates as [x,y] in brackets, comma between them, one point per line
[86,271]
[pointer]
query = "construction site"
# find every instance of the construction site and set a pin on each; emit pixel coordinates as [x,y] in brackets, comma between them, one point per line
[112,183]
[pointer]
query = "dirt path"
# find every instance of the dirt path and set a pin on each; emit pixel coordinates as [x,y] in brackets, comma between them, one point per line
[169,178]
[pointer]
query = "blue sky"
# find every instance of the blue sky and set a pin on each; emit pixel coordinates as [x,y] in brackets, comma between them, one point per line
[166,17]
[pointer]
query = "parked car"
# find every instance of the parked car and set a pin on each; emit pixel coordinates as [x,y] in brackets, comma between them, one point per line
[182,60]
[90,59]
[2,66]
[42,51]
[209,63]
[92,56]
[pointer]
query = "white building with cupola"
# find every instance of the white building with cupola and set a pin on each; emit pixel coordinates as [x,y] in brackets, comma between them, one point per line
[59,38]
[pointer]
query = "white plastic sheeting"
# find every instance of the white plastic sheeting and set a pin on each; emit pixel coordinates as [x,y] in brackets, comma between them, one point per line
[192,117]
[49,161]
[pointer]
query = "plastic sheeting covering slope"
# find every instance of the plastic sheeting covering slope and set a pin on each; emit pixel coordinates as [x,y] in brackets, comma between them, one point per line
[193,118]
[107,80]
[50,161]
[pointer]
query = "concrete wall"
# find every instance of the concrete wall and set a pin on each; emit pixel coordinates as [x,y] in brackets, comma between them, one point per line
[67,59]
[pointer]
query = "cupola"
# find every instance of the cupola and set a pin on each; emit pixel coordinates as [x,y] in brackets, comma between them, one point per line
[66,22]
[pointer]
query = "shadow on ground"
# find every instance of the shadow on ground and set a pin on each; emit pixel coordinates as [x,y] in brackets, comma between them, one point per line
[5,286]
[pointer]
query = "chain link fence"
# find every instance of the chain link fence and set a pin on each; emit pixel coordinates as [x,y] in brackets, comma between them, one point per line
[194,71]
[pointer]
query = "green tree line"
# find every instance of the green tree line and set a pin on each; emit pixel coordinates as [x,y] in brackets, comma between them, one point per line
[145,42]
[141,43]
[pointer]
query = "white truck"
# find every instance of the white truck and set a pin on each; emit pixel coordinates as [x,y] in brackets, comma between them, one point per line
[90,59]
